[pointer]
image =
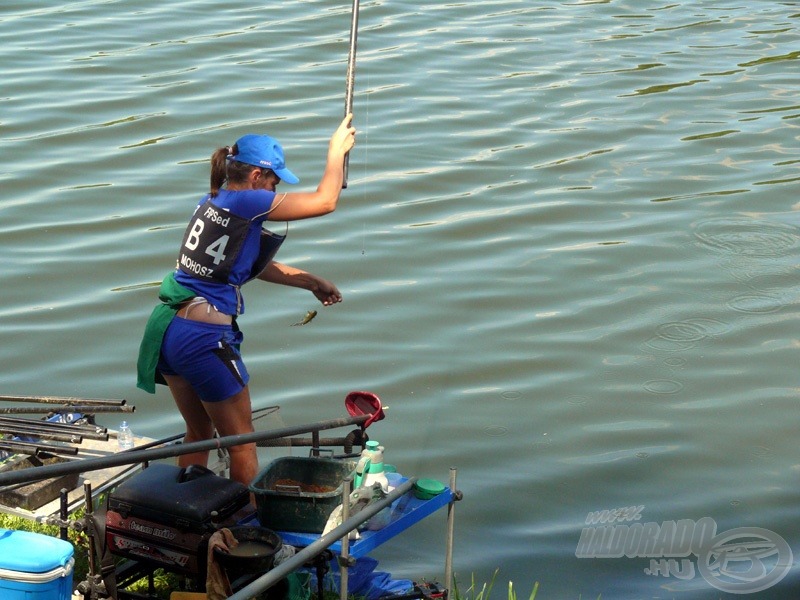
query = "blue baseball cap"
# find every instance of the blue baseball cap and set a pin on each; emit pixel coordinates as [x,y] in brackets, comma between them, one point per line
[265,152]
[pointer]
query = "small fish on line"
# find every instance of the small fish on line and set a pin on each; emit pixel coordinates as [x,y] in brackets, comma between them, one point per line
[309,315]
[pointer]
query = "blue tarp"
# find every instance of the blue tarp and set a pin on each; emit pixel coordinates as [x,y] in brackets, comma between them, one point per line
[363,580]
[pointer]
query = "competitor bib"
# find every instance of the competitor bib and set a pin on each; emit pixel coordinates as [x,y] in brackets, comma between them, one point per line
[211,243]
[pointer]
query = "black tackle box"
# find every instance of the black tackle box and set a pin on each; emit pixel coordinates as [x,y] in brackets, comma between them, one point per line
[164,515]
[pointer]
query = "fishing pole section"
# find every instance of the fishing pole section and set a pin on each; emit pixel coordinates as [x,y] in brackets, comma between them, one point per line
[66,423]
[350,79]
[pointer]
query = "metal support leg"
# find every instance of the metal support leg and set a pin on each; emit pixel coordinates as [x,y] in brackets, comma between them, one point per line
[315,443]
[94,576]
[451,517]
[63,513]
[345,554]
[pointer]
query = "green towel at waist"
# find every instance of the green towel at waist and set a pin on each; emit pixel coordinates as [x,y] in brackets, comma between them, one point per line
[171,295]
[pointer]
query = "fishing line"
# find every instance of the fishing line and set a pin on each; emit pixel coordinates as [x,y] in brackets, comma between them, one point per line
[364,240]
[348,103]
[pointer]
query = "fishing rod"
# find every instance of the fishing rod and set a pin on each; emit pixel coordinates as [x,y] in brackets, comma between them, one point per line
[300,442]
[63,400]
[89,431]
[265,411]
[93,427]
[35,448]
[350,80]
[134,456]
[161,442]
[30,432]
[76,408]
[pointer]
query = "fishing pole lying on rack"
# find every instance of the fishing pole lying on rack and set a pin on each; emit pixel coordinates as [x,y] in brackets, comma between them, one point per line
[300,442]
[86,430]
[35,448]
[30,432]
[64,400]
[73,408]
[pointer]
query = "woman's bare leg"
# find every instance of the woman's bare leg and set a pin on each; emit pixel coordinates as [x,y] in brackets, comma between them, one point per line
[198,424]
[232,416]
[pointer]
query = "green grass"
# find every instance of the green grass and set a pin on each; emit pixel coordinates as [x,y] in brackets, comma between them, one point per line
[164,583]
[482,592]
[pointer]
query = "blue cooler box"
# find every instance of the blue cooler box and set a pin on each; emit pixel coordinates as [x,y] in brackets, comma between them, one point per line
[34,566]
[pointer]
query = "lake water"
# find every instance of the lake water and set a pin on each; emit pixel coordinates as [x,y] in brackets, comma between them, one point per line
[568,254]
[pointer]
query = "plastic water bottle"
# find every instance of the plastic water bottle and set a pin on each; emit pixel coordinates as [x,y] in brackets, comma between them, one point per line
[125,436]
[372,455]
[375,470]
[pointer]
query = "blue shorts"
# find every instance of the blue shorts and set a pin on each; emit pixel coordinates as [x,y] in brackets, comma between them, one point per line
[206,355]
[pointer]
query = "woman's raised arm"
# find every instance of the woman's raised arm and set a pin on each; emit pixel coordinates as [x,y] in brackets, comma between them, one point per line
[304,205]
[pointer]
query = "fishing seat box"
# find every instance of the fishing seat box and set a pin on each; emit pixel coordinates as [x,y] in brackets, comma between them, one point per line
[34,566]
[164,515]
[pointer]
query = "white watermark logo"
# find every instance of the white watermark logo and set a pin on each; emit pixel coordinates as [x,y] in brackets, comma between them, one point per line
[738,561]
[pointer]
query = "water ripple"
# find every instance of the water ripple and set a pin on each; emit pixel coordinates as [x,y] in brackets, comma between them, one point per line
[573,217]
[747,236]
